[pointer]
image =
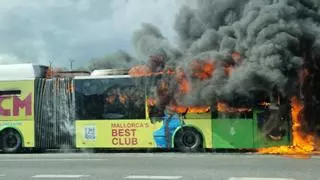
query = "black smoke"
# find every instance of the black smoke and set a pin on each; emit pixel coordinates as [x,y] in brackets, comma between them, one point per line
[276,39]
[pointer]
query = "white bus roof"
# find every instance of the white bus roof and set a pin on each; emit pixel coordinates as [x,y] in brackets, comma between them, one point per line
[102,77]
[21,71]
[106,73]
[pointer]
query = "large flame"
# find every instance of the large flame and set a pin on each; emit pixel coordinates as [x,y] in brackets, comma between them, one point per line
[223,107]
[203,69]
[303,143]
[184,86]
[181,77]
[141,70]
[200,69]
[190,109]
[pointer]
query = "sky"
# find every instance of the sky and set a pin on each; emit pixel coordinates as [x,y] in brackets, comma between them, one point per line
[40,31]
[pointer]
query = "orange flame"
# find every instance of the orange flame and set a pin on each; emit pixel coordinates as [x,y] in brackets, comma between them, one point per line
[302,143]
[123,99]
[184,86]
[223,107]
[151,101]
[193,109]
[141,70]
[203,69]
[144,70]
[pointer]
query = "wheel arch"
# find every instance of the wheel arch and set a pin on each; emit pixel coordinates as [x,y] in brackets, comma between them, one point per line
[4,129]
[192,127]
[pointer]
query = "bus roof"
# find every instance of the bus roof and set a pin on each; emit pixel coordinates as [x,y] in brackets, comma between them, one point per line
[118,76]
[103,77]
[22,71]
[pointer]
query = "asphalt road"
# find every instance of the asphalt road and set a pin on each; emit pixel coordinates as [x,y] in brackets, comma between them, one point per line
[163,166]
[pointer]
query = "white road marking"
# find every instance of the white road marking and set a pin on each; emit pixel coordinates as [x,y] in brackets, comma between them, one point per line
[153,177]
[22,159]
[58,176]
[257,178]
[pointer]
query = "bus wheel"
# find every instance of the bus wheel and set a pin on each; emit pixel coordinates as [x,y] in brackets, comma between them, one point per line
[11,141]
[188,140]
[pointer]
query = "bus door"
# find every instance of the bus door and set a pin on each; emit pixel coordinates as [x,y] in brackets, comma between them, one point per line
[164,121]
[272,127]
[232,129]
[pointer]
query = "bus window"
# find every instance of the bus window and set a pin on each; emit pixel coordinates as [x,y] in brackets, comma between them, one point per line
[118,98]
[124,102]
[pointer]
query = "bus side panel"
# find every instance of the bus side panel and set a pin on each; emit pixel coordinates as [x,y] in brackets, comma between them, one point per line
[114,134]
[201,122]
[232,133]
[17,109]
[25,128]
[17,106]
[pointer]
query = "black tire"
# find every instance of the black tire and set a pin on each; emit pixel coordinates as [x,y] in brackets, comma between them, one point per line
[11,141]
[188,140]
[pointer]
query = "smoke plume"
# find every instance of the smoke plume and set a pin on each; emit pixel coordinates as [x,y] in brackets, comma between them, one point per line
[268,35]
[118,59]
[148,41]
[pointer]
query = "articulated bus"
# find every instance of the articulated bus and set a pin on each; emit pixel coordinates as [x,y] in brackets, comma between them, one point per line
[112,111]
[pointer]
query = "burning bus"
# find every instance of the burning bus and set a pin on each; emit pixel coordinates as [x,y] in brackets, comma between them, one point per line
[114,109]
[243,74]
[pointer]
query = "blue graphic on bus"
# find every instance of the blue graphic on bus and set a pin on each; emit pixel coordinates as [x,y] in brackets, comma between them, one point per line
[163,135]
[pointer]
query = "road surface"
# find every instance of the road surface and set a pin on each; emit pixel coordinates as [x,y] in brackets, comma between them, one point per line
[162,166]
